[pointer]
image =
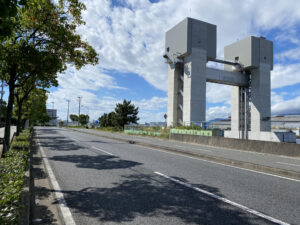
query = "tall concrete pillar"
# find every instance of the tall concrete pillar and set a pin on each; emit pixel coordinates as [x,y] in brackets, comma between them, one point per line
[261,98]
[173,89]
[235,111]
[194,86]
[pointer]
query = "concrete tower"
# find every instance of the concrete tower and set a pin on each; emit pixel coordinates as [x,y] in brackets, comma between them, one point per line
[189,45]
[247,67]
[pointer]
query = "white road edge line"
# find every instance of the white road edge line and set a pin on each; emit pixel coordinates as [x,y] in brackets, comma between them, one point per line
[99,149]
[65,211]
[245,208]
[290,164]
[254,171]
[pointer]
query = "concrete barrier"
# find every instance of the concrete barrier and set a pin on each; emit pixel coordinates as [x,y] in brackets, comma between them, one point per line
[287,149]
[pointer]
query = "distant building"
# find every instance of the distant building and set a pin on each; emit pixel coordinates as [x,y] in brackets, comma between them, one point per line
[287,122]
[53,115]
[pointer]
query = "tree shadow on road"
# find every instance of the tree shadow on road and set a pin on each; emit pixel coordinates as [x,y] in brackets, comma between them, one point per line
[59,144]
[154,197]
[99,162]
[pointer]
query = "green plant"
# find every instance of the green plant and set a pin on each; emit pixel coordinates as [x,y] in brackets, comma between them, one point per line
[192,127]
[12,170]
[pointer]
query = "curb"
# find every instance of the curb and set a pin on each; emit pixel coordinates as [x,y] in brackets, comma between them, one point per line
[230,162]
[25,218]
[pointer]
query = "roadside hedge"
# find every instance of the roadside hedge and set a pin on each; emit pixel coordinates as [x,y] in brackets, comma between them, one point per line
[12,174]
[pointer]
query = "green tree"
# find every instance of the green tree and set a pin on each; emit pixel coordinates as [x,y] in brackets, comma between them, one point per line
[43,29]
[102,120]
[34,108]
[83,119]
[126,113]
[108,120]
[45,79]
[8,12]
[74,117]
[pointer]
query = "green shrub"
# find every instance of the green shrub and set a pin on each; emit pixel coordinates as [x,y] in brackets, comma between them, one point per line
[110,129]
[192,127]
[12,173]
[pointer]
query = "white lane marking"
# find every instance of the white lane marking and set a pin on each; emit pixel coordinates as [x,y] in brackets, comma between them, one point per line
[67,215]
[74,139]
[245,208]
[290,164]
[99,149]
[254,171]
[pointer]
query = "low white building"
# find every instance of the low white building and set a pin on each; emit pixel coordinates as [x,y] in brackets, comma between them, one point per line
[53,115]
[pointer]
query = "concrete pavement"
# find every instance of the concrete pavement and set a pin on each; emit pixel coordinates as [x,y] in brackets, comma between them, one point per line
[109,182]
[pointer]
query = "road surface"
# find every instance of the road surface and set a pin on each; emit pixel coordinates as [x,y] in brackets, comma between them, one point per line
[103,181]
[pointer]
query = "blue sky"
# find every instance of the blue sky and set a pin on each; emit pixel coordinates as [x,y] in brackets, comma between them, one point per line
[129,37]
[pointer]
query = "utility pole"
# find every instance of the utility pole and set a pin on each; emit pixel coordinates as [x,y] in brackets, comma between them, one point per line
[52,112]
[68,112]
[79,101]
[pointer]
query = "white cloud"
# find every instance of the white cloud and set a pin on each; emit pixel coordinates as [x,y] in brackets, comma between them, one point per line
[131,39]
[292,54]
[284,75]
[217,112]
[217,93]
[155,103]
[282,106]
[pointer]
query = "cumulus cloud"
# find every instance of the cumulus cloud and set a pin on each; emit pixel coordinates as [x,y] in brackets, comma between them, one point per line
[282,106]
[292,54]
[285,75]
[217,112]
[129,37]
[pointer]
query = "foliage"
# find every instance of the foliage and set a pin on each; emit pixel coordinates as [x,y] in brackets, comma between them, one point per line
[83,119]
[192,127]
[126,113]
[34,108]
[8,11]
[73,117]
[108,120]
[12,169]
[61,123]
[43,42]
[110,129]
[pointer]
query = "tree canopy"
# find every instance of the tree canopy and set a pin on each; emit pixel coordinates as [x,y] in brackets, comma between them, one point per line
[43,43]
[74,117]
[125,113]
[83,119]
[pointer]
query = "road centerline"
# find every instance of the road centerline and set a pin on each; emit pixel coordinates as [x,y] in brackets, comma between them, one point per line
[99,149]
[245,208]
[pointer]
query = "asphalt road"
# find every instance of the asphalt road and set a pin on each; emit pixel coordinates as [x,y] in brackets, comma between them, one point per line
[270,160]
[109,182]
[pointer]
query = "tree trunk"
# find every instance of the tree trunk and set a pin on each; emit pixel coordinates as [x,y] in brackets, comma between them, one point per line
[19,118]
[11,84]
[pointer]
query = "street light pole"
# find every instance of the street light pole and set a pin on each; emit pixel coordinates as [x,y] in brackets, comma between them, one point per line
[68,112]
[52,112]
[79,100]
